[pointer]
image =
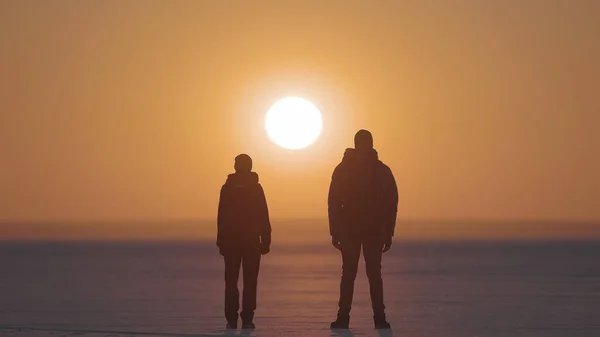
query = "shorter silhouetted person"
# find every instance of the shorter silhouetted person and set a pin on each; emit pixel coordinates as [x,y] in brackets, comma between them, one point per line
[363,202]
[244,234]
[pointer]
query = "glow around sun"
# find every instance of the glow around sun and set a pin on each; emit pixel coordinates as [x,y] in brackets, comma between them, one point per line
[293,123]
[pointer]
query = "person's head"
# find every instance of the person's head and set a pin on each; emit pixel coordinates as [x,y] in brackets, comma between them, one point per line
[363,140]
[243,163]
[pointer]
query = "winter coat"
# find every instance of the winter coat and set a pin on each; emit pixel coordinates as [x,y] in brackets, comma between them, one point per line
[363,197]
[243,216]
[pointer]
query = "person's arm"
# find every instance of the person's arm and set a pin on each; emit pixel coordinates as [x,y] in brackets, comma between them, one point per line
[265,223]
[335,204]
[221,215]
[391,203]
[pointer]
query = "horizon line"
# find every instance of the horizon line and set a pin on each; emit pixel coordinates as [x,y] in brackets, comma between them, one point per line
[292,219]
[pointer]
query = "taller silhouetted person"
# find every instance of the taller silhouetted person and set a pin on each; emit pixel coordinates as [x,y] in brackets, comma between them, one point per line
[244,234]
[363,203]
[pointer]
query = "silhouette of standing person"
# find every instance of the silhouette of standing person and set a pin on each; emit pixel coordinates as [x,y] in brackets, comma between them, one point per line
[244,234]
[362,204]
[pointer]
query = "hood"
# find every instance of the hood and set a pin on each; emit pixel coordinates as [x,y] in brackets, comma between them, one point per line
[240,179]
[360,156]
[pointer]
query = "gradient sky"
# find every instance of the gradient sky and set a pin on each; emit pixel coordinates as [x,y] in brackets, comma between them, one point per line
[134,110]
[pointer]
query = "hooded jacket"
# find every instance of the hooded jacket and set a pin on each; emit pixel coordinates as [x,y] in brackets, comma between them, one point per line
[243,216]
[363,197]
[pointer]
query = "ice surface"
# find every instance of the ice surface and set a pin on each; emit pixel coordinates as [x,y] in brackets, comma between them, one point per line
[176,289]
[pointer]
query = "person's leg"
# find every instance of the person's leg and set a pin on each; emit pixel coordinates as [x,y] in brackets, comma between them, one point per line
[232,296]
[372,254]
[251,266]
[350,257]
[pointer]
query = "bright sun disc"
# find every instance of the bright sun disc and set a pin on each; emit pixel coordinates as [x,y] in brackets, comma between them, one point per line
[293,123]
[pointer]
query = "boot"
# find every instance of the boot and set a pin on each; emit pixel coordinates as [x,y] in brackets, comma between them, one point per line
[342,322]
[381,323]
[247,318]
[248,326]
[232,322]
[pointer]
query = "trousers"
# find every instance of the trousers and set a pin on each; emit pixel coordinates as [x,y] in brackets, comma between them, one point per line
[372,253]
[248,258]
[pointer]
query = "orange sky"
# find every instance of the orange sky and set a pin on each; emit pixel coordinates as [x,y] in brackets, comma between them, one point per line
[134,110]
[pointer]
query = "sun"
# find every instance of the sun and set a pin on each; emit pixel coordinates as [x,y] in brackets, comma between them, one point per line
[293,123]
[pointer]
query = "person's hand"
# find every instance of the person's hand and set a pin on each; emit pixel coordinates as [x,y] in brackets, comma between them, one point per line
[336,243]
[387,245]
[264,250]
